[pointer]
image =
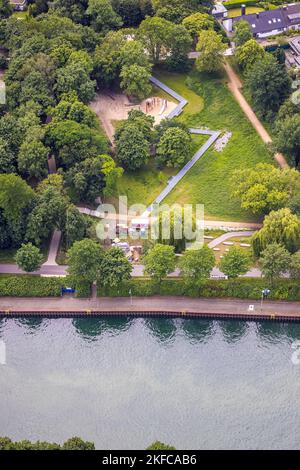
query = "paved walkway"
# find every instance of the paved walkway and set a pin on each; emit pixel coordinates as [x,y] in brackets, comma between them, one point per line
[53,249]
[226,236]
[155,304]
[138,271]
[234,86]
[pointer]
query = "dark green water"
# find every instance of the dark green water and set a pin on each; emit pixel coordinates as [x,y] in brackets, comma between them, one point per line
[123,383]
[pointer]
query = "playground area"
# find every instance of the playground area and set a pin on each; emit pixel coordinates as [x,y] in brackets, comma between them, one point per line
[111,107]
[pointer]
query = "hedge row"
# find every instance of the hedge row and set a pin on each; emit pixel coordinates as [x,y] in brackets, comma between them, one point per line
[230,4]
[283,289]
[30,286]
[35,286]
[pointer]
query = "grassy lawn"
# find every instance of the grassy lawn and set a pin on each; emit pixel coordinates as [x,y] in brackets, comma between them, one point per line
[209,182]
[8,256]
[143,186]
[249,10]
[21,15]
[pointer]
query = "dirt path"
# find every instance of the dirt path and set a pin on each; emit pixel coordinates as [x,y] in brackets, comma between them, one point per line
[234,86]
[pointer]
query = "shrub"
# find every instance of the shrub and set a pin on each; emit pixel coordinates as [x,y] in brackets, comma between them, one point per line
[30,286]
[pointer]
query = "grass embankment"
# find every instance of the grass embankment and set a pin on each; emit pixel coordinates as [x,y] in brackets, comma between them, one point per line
[212,105]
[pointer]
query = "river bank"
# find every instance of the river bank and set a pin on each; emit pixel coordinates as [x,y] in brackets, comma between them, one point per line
[168,306]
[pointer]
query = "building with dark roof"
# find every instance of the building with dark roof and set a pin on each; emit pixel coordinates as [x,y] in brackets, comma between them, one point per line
[270,22]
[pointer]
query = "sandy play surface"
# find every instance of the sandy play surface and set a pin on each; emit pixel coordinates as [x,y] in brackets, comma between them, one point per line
[111,107]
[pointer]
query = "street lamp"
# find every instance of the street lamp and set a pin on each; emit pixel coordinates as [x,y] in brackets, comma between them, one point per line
[130,293]
[264,293]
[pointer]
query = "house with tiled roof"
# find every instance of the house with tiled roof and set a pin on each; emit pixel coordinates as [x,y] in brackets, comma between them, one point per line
[270,22]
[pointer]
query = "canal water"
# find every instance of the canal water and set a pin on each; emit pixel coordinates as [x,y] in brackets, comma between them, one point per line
[124,383]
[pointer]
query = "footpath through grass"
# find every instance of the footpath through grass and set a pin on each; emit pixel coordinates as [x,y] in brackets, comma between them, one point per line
[209,182]
[143,186]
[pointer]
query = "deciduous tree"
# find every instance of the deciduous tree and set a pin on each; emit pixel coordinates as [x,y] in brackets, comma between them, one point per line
[29,257]
[274,261]
[159,262]
[84,260]
[210,48]
[235,262]
[196,266]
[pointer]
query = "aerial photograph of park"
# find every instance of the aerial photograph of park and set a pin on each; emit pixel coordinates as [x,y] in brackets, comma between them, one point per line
[149,226]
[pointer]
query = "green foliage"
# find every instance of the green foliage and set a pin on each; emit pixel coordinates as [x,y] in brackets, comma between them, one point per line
[132,149]
[29,257]
[76,226]
[274,261]
[70,108]
[230,4]
[287,138]
[107,58]
[102,16]
[265,187]
[133,12]
[295,265]
[73,142]
[269,86]
[32,159]
[158,445]
[75,443]
[281,227]
[196,266]
[7,158]
[249,53]
[240,288]
[133,53]
[242,33]
[163,39]
[176,227]
[15,195]
[94,176]
[6,9]
[159,262]
[30,286]
[235,262]
[173,148]
[210,47]
[115,268]
[198,22]
[135,81]
[48,214]
[84,259]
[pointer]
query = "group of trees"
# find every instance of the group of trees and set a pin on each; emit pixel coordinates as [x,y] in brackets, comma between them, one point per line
[88,262]
[266,76]
[135,139]
[275,194]
[74,443]
[32,216]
